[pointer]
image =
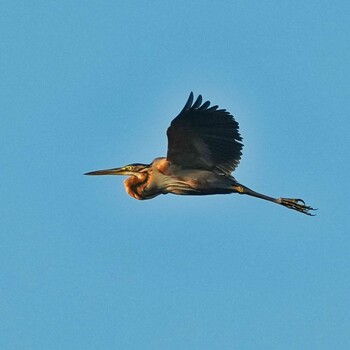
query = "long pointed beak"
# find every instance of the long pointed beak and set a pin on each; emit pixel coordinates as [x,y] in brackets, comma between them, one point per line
[115,171]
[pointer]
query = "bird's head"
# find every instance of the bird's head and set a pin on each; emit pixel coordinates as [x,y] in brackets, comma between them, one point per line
[135,169]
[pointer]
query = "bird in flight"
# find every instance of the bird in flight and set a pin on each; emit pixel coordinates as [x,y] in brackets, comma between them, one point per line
[204,148]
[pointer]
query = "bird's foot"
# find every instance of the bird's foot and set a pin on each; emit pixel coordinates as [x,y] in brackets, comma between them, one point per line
[296,204]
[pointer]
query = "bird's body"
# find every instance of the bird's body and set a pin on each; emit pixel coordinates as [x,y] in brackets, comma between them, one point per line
[204,147]
[160,178]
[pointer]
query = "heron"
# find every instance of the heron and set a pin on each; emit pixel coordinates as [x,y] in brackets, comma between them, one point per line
[204,148]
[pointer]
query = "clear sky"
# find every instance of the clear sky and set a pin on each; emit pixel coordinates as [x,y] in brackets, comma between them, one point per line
[87,85]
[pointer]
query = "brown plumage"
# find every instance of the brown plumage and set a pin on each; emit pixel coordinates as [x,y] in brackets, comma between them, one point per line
[204,148]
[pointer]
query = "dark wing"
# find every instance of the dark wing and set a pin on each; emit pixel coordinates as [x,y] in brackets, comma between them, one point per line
[203,137]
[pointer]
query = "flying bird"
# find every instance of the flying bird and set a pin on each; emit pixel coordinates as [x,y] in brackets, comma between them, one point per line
[204,148]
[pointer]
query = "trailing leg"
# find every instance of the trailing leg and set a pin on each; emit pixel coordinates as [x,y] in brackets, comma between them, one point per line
[291,203]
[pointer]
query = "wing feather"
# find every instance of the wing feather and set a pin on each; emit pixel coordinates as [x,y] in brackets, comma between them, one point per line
[204,138]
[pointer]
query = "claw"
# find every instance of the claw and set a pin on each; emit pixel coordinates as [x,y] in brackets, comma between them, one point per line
[295,204]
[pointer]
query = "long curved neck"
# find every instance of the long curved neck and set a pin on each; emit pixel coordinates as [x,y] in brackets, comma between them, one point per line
[135,185]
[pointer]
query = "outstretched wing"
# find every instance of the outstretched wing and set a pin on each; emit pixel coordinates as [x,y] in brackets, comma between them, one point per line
[203,137]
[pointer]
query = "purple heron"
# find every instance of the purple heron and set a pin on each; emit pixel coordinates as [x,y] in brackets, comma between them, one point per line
[204,148]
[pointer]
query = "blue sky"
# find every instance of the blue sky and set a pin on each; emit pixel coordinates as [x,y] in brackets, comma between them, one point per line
[87,85]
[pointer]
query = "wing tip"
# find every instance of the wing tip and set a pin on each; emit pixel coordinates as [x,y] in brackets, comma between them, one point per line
[189,101]
[197,104]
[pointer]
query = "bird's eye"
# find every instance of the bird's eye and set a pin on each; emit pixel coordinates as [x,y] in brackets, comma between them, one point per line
[129,167]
